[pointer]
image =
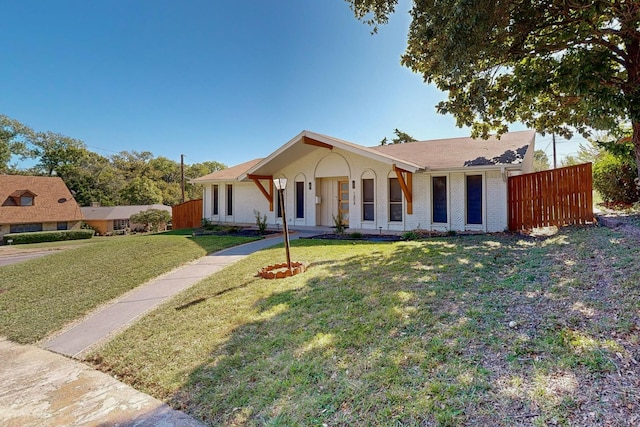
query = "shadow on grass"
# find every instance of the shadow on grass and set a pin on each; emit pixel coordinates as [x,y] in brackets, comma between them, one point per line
[210,243]
[419,333]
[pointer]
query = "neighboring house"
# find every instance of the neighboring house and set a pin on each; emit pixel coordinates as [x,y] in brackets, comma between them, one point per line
[446,184]
[36,203]
[115,219]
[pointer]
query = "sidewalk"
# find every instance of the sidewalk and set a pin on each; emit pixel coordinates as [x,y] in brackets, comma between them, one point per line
[41,388]
[79,339]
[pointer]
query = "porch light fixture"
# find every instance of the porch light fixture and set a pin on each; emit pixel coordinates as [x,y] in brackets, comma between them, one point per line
[281,184]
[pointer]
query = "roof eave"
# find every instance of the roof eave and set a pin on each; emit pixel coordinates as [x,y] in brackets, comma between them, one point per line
[344,145]
[510,166]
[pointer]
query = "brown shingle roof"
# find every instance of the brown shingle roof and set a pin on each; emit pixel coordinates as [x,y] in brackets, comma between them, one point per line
[53,201]
[228,174]
[461,152]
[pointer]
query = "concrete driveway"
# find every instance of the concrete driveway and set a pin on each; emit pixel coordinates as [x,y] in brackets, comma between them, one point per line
[8,259]
[40,388]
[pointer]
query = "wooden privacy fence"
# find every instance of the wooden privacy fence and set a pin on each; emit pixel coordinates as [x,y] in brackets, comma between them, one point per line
[553,197]
[187,214]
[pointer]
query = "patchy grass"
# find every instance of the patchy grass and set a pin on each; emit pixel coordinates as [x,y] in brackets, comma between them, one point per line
[40,296]
[496,330]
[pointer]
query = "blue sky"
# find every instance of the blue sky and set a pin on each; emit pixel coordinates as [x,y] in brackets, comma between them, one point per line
[226,81]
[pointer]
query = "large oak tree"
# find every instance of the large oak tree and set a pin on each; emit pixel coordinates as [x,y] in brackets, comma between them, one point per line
[556,65]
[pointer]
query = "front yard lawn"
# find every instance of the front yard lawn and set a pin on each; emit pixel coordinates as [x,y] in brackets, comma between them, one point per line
[495,330]
[40,296]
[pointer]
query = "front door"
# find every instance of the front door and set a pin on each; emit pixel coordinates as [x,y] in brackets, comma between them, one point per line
[343,201]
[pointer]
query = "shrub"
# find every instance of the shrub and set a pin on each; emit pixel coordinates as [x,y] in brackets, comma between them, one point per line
[228,229]
[339,225]
[86,226]
[47,236]
[356,235]
[261,222]
[152,219]
[613,178]
[410,235]
[207,224]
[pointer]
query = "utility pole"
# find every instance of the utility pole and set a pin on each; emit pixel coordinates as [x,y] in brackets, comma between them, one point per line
[554,153]
[182,174]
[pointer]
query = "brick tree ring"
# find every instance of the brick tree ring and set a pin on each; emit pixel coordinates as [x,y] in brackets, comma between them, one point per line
[280,271]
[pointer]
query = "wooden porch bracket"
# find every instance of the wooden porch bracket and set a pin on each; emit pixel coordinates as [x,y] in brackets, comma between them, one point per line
[406,185]
[267,194]
[311,141]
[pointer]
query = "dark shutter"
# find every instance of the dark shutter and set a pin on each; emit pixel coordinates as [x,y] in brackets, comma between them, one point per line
[215,199]
[299,199]
[229,199]
[474,199]
[439,198]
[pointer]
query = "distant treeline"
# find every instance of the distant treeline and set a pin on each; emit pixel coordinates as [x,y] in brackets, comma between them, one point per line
[125,178]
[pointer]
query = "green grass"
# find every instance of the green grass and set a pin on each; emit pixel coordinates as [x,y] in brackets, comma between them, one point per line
[40,296]
[408,333]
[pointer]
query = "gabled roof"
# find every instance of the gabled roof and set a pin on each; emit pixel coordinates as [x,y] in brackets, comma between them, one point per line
[454,153]
[306,142]
[53,201]
[441,154]
[19,193]
[117,212]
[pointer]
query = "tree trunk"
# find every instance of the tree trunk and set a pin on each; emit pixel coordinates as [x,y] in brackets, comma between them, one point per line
[636,145]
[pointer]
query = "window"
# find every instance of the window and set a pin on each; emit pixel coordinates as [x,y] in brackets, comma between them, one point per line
[299,199]
[120,224]
[62,226]
[229,199]
[25,228]
[214,199]
[395,200]
[368,208]
[439,184]
[279,203]
[26,201]
[474,199]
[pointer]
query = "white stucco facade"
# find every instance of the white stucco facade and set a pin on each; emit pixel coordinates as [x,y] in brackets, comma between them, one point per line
[323,179]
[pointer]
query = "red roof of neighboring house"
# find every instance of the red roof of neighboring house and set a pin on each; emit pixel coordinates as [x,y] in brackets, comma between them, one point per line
[52,200]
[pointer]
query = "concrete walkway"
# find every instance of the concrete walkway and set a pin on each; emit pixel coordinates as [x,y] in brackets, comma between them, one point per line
[82,337]
[41,388]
